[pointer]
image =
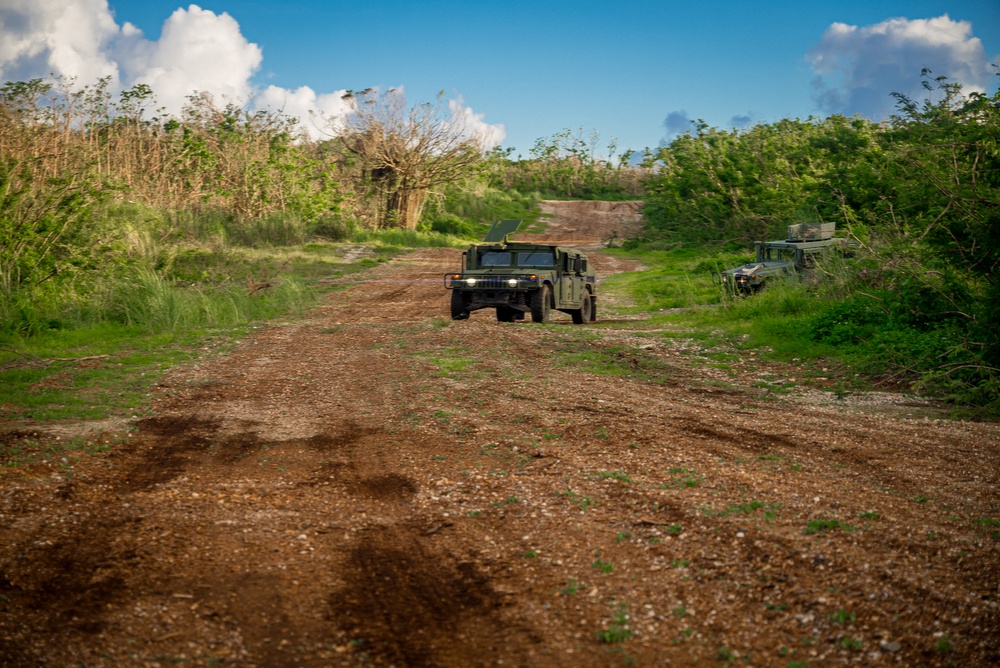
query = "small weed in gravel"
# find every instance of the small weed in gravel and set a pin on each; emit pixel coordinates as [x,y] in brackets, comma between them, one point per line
[843,617]
[584,502]
[603,565]
[749,507]
[822,525]
[617,630]
[683,478]
[572,588]
[991,526]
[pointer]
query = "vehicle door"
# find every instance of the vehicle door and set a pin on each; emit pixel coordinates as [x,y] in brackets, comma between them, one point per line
[574,276]
[565,284]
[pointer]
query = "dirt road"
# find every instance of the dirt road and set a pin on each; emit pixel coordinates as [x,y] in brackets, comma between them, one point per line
[377,485]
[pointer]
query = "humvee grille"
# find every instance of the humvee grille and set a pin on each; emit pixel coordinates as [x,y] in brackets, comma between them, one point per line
[492,282]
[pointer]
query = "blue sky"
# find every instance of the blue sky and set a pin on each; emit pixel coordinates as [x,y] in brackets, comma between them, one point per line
[525,69]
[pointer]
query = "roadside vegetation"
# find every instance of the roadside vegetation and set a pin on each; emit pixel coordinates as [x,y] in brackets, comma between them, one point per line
[919,304]
[130,241]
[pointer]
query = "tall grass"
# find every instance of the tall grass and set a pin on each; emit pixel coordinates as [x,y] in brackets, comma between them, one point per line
[678,278]
[146,299]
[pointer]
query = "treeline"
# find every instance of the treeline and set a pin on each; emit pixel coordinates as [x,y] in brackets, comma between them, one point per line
[921,192]
[99,189]
[569,164]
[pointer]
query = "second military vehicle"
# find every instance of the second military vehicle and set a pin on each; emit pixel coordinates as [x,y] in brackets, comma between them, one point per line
[792,259]
[516,278]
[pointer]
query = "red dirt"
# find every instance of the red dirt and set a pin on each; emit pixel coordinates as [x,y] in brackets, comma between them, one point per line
[377,485]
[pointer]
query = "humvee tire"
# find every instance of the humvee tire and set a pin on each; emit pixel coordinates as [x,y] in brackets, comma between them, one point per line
[540,304]
[582,314]
[458,311]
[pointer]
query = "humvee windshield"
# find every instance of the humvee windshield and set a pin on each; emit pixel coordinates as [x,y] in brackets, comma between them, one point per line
[523,258]
[536,259]
[494,259]
[766,253]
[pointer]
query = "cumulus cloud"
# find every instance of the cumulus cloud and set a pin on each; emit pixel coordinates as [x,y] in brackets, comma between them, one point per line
[491,136]
[198,51]
[319,114]
[42,37]
[857,68]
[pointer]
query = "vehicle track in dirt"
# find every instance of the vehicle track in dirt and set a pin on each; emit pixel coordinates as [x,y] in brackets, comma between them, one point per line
[374,484]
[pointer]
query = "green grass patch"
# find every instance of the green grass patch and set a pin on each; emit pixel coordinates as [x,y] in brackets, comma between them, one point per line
[603,566]
[617,630]
[683,477]
[675,279]
[989,525]
[585,502]
[93,373]
[94,355]
[843,617]
[592,356]
[824,525]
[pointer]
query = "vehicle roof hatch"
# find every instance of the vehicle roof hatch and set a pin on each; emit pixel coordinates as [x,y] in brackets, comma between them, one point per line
[500,229]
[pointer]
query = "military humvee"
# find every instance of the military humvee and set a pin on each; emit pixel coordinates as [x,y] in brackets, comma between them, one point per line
[517,277]
[793,259]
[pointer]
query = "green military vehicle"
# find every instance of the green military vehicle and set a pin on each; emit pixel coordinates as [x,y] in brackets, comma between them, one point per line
[517,277]
[793,259]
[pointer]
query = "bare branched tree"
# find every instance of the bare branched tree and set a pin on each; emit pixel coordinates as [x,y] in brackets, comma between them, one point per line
[408,151]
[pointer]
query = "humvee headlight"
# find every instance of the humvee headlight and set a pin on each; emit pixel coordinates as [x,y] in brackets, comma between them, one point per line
[512,282]
[471,282]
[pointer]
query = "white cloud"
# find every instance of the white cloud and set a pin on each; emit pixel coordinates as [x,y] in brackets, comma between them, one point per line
[43,37]
[198,51]
[858,68]
[320,115]
[491,136]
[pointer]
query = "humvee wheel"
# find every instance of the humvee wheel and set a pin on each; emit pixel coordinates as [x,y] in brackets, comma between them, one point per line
[540,304]
[582,314]
[458,311]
